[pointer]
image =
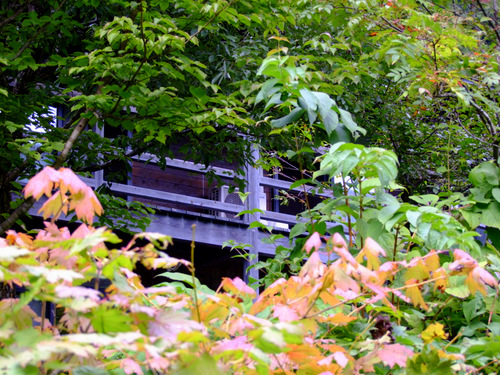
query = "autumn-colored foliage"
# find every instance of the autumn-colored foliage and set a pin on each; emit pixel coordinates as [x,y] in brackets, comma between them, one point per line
[315,322]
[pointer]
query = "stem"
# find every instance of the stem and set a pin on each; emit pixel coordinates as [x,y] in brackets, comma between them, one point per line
[441,308]
[361,208]
[195,293]
[349,224]
[493,307]
[394,250]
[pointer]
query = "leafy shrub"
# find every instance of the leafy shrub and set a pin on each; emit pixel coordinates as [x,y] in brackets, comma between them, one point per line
[418,309]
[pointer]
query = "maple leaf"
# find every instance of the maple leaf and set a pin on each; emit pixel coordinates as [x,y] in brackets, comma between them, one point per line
[238,343]
[129,366]
[432,261]
[42,183]
[313,268]
[340,247]
[313,242]
[77,292]
[417,270]
[343,282]
[168,324]
[53,275]
[413,293]
[394,354]
[85,204]
[339,319]
[477,280]
[442,283]
[54,206]
[285,313]
[81,197]
[434,331]
[388,269]
[372,251]
[237,287]
[70,182]
[463,262]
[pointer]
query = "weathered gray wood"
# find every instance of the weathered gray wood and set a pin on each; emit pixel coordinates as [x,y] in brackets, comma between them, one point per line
[174,197]
[254,175]
[188,165]
[285,185]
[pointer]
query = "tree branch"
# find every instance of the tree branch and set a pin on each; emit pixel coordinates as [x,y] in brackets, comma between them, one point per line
[24,207]
[36,34]
[98,167]
[493,25]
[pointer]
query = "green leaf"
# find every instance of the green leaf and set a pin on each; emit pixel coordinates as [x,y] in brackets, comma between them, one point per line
[89,370]
[293,116]
[348,121]
[457,287]
[268,88]
[491,215]
[485,172]
[496,194]
[105,320]
[204,365]
[297,229]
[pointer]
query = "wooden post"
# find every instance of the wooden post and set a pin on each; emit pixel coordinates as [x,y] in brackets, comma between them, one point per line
[253,187]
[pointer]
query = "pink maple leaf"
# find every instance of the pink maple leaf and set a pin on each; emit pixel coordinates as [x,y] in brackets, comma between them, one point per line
[285,313]
[237,286]
[77,292]
[42,183]
[314,267]
[394,354]
[238,343]
[130,367]
[483,276]
[313,242]
[463,261]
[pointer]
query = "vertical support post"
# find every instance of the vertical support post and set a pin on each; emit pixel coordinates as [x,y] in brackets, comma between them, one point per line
[253,187]
[98,175]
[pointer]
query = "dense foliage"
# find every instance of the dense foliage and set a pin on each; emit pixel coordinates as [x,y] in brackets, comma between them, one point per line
[420,77]
[371,283]
[360,309]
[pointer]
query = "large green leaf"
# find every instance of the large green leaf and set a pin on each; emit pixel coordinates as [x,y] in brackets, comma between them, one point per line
[293,116]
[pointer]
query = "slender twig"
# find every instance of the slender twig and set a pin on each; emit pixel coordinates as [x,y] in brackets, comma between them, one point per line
[391,25]
[210,21]
[493,307]
[141,64]
[493,26]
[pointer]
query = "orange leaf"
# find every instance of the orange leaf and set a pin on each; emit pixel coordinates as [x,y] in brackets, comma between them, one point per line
[285,313]
[432,261]
[372,251]
[440,284]
[339,319]
[417,271]
[463,262]
[237,286]
[413,293]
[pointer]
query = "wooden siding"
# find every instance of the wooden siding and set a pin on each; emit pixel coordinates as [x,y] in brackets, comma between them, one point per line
[172,180]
